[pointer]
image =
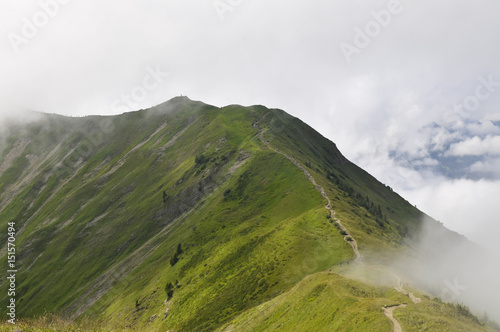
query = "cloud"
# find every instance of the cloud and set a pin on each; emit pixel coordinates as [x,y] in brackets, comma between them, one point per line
[392,110]
[487,168]
[482,128]
[476,146]
[454,202]
[495,117]
[452,269]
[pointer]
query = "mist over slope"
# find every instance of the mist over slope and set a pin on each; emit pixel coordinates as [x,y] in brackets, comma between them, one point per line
[456,270]
[186,215]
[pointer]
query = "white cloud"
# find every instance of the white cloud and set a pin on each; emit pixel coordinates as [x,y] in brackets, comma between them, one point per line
[466,206]
[426,162]
[441,137]
[476,146]
[482,128]
[492,117]
[489,167]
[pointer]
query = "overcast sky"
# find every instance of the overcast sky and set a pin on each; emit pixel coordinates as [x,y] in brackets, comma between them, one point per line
[407,89]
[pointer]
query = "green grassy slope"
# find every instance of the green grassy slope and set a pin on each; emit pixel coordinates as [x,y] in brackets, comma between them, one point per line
[322,302]
[179,217]
[330,302]
[112,214]
[353,190]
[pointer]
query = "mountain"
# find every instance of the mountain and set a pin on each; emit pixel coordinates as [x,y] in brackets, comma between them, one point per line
[190,217]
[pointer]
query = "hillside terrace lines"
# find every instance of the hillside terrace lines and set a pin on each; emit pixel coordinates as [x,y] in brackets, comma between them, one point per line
[29,177]
[31,172]
[123,159]
[174,139]
[14,153]
[117,273]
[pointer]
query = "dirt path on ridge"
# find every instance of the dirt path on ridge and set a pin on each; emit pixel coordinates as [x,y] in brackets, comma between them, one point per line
[388,311]
[399,288]
[348,237]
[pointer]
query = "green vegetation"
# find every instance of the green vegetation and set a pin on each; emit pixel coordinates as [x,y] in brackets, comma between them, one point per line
[330,302]
[180,218]
[175,257]
[365,202]
[322,302]
[433,315]
[169,289]
[50,323]
[201,159]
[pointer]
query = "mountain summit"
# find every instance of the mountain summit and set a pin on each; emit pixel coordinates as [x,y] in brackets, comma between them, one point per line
[190,217]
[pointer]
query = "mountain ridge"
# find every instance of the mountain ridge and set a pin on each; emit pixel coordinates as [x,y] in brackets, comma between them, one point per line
[104,201]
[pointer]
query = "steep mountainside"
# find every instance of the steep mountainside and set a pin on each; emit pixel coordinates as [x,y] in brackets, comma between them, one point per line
[189,217]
